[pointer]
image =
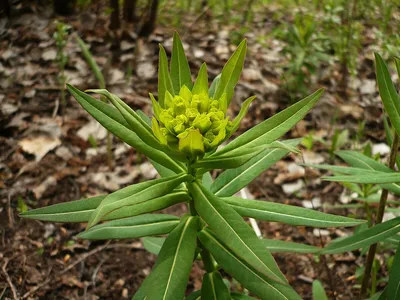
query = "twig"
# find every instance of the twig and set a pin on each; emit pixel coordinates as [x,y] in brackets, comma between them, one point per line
[379,218]
[79,260]
[9,212]
[12,287]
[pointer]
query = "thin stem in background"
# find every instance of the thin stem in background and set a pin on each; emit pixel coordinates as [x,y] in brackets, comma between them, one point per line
[379,218]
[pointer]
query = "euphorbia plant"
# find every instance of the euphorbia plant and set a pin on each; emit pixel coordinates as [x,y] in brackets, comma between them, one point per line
[181,141]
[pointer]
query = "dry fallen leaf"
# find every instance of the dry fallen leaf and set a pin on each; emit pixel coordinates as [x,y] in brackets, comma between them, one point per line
[39,146]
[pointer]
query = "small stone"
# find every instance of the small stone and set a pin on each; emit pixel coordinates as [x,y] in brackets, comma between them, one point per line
[381,148]
[49,55]
[290,188]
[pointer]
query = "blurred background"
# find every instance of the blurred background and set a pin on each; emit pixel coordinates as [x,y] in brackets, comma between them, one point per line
[52,151]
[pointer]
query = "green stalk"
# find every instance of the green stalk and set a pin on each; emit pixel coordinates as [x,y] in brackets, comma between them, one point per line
[379,217]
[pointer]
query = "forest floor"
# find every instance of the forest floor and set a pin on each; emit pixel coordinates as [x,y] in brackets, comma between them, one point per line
[47,153]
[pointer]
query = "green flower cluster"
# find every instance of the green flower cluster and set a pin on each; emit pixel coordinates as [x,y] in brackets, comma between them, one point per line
[191,123]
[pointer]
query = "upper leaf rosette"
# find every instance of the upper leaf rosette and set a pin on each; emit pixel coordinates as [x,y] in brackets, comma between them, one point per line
[192,118]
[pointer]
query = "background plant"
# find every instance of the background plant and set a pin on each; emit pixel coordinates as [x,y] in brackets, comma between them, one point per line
[181,141]
[102,84]
[373,175]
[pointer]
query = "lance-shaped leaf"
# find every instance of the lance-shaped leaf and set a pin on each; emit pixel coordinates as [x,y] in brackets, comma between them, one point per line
[156,107]
[133,227]
[91,62]
[387,90]
[284,246]
[170,274]
[365,238]
[229,226]
[231,72]
[201,84]
[113,121]
[242,272]
[213,86]
[137,124]
[359,160]
[214,288]
[233,180]
[236,121]
[274,127]
[153,244]
[368,177]
[293,215]
[164,79]
[393,288]
[180,71]
[136,193]
[148,205]
[81,210]
[318,291]
[73,211]
[228,161]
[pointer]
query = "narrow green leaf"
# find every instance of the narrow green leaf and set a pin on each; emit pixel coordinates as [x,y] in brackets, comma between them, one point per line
[365,238]
[136,193]
[80,210]
[156,107]
[91,62]
[232,230]
[283,246]
[213,86]
[139,126]
[388,92]
[293,215]
[233,180]
[153,244]
[113,121]
[180,70]
[228,161]
[359,160]
[73,211]
[214,288]
[164,79]
[243,111]
[149,205]
[201,83]
[393,287]
[207,180]
[170,274]
[318,291]
[241,271]
[134,227]
[231,72]
[274,127]
[369,177]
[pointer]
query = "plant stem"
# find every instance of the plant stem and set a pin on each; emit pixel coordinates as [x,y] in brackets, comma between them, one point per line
[379,217]
[207,260]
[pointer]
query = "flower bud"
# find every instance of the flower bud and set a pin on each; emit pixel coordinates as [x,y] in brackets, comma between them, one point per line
[185,93]
[191,143]
[202,122]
